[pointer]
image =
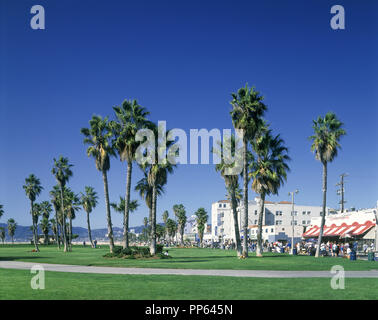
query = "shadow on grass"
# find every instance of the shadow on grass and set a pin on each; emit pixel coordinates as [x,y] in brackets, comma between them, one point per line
[21,258]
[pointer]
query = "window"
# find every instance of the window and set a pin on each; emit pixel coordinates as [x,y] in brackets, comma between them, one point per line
[255,212]
[304,212]
[308,212]
[255,221]
[278,213]
[266,230]
[295,213]
[220,205]
[303,221]
[295,222]
[222,230]
[278,222]
[308,221]
[224,206]
[271,230]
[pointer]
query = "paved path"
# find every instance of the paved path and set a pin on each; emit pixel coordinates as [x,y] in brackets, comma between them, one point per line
[191,272]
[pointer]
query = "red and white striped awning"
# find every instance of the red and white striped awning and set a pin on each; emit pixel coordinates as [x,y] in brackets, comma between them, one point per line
[342,230]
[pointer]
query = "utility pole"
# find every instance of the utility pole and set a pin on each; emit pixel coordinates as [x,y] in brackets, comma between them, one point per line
[342,190]
[292,219]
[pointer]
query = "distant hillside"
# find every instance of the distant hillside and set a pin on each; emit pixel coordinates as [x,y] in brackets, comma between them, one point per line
[25,234]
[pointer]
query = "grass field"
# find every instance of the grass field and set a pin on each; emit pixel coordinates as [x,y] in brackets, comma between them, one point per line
[15,284]
[181,258]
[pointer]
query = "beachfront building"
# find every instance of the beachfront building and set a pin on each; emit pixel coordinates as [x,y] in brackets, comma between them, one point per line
[278,220]
[350,226]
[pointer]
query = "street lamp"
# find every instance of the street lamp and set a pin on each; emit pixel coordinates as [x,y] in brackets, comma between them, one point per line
[292,220]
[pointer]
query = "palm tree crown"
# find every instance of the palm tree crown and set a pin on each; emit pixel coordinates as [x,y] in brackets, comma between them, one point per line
[32,187]
[269,171]
[98,138]
[327,133]
[89,199]
[62,170]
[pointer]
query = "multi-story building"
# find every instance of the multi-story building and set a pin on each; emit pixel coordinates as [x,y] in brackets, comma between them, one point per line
[278,220]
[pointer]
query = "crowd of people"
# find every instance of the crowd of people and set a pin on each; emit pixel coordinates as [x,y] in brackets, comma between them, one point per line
[332,249]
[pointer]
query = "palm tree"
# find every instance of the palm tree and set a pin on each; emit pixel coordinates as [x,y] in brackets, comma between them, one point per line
[62,172]
[120,207]
[45,227]
[325,145]
[45,209]
[231,180]
[130,118]
[12,226]
[268,171]
[145,191]
[54,228]
[100,148]
[71,205]
[165,219]
[180,213]
[246,114]
[56,202]
[171,228]
[89,200]
[2,234]
[201,221]
[33,189]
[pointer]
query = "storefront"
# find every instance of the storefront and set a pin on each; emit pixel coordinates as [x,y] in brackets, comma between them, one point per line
[349,227]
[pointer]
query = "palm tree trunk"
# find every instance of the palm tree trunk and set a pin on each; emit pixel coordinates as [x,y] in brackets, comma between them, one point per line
[127,204]
[70,235]
[108,216]
[89,231]
[324,208]
[64,231]
[259,248]
[236,224]
[245,198]
[153,222]
[34,229]
[57,229]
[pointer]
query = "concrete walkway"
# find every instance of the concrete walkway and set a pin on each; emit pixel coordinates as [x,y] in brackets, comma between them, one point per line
[186,272]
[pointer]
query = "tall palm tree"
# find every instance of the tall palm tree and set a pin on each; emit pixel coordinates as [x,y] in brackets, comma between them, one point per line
[12,226]
[246,114]
[325,145]
[45,209]
[201,220]
[62,172]
[89,200]
[180,213]
[33,189]
[56,202]
[268,171]
[157,175]
[100,148]
[130,118]
[231,180]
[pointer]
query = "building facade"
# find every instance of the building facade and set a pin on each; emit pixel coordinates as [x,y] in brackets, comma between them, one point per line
[278,220]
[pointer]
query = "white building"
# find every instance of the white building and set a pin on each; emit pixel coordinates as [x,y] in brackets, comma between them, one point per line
[277,220]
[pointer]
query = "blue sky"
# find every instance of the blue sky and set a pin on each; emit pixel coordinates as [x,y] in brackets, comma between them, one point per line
[182,60]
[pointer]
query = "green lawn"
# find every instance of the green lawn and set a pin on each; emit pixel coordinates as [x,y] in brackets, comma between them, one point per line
[181,258]
[15,284]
